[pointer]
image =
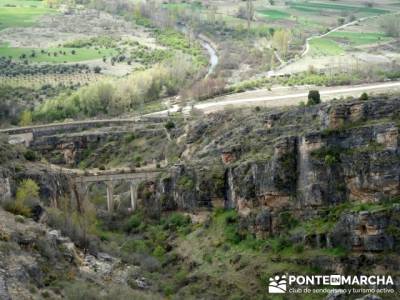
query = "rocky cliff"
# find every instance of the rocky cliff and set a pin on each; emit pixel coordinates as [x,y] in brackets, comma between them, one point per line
[303,162]
[321,182]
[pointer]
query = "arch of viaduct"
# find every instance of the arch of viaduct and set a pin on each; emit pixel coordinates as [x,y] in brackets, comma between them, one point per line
[83,182]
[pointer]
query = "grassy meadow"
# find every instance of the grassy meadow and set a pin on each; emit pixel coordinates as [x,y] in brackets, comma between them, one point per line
[55,55]
[21,13]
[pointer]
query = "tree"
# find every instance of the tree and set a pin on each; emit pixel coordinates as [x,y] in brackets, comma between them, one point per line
[27,195]
[364,96]
[249,13]
[28,190]
[313,98]
[26,118]
[97,69]
[280,41]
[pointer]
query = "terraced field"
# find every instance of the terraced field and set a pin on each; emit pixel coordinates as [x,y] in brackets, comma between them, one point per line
[274,14]
[358,38]
[325,47]
[37,81]
[55,55]
[315,7]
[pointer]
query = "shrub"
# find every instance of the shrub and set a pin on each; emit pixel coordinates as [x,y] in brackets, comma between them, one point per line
[133,222]
[159,252]
[26,118]
[313,98]
[31,155]
[176,220]
[299,248]
[26,197]
[169,125]
[232,235]
[97,69]
[364,96]
[186,183]
[330,160]
[17,208]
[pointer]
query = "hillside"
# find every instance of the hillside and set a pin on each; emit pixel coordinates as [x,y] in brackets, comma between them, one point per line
[310,190]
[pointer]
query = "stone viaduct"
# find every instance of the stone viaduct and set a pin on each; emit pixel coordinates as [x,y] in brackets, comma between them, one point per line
[82,183]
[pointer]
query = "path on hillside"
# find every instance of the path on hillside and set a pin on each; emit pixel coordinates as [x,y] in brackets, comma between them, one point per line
[307,46]
[320,36]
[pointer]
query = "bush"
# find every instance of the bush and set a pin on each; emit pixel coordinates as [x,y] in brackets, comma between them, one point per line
[364,96]
[115,97]
[17,208]
[133,222]
[31,155]
[169,125]
[27,196]
[313,98]
[159,252]
[176,220]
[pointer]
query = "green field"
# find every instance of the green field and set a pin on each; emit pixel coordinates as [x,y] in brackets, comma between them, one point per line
[81,54]
[358,38]
[22,3]
[173,6]
[325,47]
[315,7]
[274,14]
[22,13]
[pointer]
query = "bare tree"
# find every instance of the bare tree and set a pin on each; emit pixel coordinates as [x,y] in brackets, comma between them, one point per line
[249,13]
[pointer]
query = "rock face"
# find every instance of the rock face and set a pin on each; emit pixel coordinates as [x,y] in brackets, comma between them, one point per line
[52,184]
[3,287]
[300,161]
[188,188]
[5,189]
[33,255]
[367,231]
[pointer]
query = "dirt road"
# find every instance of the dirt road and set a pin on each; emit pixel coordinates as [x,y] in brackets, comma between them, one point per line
[293,96]
[281,96]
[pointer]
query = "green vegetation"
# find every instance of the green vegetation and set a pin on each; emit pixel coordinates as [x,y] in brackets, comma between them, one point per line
[318,79]
[21,15]
[313,98]
[274,14]
[357,38]
[15,101]
[186,183]
[115,97]
[330,155]
[26,197]
[178,41]
[325,47]
[330,216]
[315,7]
[54,55]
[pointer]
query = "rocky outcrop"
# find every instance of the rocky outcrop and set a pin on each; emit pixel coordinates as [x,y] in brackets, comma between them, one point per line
[33,256]
[368,231]
[5,189]
[4,295]
[338,115]
[52,184]
[312,159]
